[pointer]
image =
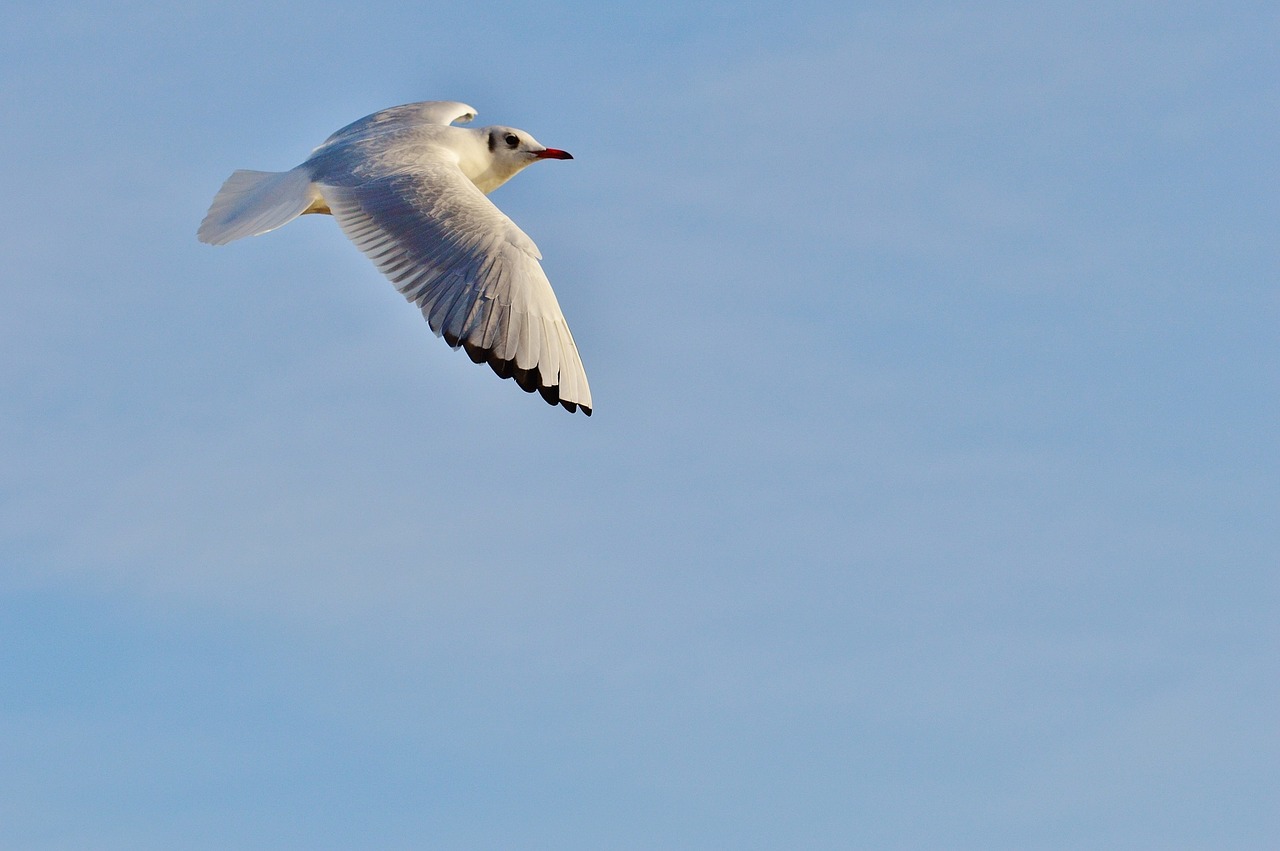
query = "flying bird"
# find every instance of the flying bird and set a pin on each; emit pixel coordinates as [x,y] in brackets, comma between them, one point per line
[408,188]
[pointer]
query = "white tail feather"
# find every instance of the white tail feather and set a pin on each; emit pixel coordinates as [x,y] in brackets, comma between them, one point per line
[254,202]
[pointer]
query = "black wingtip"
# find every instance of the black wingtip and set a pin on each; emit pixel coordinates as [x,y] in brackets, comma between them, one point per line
[502,368]
[526,378]
[529,380]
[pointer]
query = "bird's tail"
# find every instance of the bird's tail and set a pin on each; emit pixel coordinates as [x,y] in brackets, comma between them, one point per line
[254,202]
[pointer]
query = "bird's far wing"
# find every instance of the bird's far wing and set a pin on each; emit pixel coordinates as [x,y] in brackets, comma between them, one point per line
[444,112]
[474,274]
[410,114]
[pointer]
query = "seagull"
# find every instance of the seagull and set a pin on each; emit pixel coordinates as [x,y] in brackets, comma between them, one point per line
[408,187]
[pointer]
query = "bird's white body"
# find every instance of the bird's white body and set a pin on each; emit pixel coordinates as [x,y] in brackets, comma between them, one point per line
[408,189]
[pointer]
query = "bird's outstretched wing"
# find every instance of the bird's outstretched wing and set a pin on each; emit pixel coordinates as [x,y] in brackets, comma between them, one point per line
[474,274]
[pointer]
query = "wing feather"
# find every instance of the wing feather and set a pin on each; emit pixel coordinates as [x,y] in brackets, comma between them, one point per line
[471,271]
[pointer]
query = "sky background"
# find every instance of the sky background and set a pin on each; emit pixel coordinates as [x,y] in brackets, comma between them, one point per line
[931,499]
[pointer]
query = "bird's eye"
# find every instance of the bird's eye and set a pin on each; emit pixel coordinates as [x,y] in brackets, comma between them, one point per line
[512,140]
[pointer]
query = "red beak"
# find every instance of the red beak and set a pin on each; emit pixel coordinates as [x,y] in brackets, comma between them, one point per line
[553,154]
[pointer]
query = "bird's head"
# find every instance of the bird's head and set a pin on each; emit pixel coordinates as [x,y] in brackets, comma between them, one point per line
[511,150]
[508,144]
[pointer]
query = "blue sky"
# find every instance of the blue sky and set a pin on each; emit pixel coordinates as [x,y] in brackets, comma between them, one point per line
[930,500]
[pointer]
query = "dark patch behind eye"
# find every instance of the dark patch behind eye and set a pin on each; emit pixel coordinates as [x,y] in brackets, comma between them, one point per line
[492,140]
